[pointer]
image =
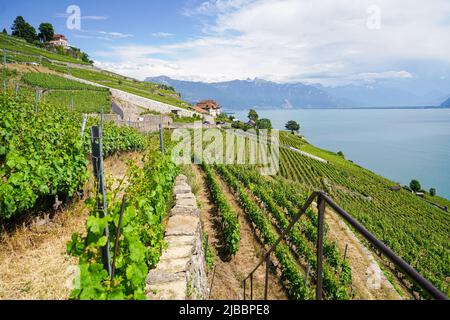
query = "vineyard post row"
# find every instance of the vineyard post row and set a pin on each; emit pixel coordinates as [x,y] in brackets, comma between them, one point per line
[266,257]
[97,163]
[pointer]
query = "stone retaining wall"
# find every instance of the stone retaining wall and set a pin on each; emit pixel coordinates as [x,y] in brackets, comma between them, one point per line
[149,104]
[136,100]
[181,272]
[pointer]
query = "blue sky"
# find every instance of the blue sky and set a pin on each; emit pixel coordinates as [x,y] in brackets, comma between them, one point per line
[332,42]
[144,22]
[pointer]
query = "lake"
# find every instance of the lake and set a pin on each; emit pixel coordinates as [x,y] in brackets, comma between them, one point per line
[399,144]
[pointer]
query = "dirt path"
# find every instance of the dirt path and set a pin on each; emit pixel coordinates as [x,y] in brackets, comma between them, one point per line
[230,274]
[33,259]
[369,282]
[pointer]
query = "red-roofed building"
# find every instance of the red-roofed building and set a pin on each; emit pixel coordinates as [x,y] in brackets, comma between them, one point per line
[210,107]
[59,40]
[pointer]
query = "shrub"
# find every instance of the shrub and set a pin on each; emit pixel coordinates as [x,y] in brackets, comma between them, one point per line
[415,185]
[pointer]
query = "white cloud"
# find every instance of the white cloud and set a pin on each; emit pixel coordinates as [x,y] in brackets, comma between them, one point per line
[214,7]
[162,34]
[115,35]
[299,40]
[384,75]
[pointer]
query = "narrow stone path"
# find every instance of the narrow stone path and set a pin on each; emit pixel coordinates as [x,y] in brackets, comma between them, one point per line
[180,273]
[229,274]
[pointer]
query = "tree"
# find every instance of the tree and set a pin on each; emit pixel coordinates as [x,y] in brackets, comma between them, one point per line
[240,125]
[85,58]
[432,192]
[341,154]
[24,30]
[46,32]
[18,27]
[4,31]
[415,185]
[264,124]
[293,126]
[253,115]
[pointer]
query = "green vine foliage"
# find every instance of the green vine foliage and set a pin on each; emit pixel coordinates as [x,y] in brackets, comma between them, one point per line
[290,274]
[50,81]
[337,273]
[141,235]
[42,153]
[229,219]
[121,139]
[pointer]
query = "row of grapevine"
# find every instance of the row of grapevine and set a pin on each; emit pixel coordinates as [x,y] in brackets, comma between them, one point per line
[42,153]
[414,229]
[290,273]
[50,81]
[230,222]
[141,235]
[337,273]
[121,139]
[83,101]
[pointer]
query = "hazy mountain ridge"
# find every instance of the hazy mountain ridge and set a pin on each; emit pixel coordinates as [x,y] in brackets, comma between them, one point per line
[237,94]
[446,103]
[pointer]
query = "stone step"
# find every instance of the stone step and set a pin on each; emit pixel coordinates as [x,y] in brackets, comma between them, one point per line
[181,179]
[182,225]
[186,202]
[189,195]
[182,188]
[183,261]
[187,211]
[174,290]
[157,276]
[175,251]
[180,240]
[173,265]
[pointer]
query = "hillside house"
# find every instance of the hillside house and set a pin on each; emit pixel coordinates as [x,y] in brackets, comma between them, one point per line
[209,107]
[59,40]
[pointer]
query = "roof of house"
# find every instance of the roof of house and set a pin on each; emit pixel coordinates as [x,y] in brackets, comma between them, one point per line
[209,104]
[200,110]
[57,36]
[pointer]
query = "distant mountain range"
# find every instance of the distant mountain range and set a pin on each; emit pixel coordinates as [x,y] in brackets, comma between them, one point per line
[238,94]
[446,103]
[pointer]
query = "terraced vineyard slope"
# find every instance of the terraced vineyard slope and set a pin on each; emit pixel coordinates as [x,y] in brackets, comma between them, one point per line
[413,228]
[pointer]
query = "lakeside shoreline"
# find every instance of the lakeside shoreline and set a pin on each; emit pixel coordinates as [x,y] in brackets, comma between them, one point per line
[232,111]
[380,139]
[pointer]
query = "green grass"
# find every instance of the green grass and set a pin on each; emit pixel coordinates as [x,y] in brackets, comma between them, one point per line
[144,89]
[83,101]
[414,229]
[20,49]
[50,81]
[18,45]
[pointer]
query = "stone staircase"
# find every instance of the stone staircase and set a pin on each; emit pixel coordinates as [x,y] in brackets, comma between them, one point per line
[181,272]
